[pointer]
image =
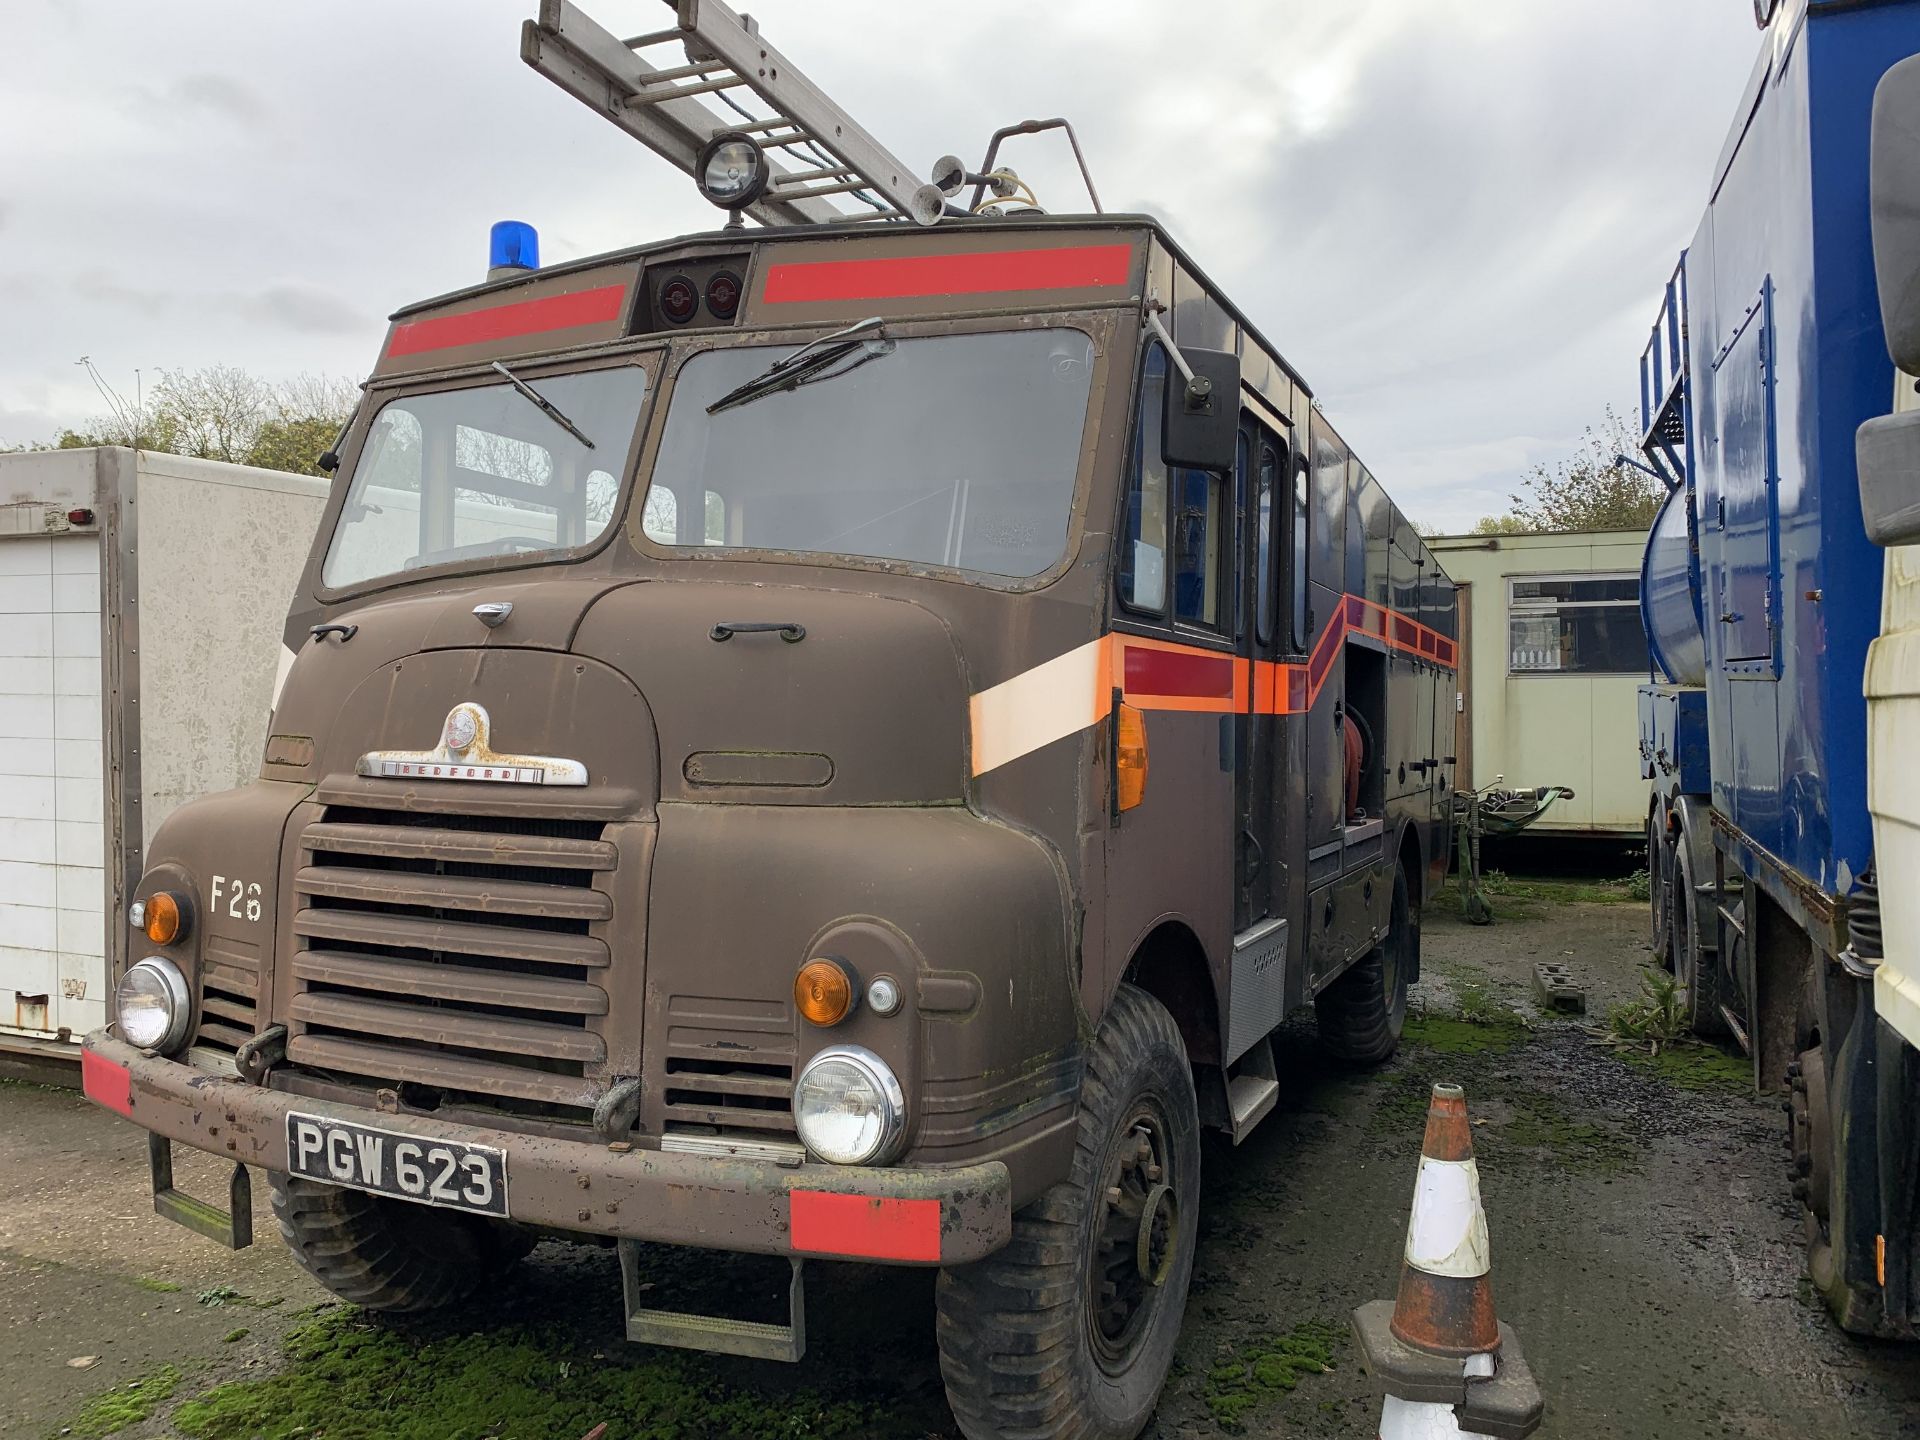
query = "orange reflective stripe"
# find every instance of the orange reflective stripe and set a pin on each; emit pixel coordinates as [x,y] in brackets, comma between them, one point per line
[1071,692]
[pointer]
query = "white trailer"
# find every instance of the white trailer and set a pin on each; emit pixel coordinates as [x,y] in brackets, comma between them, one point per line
[141,604]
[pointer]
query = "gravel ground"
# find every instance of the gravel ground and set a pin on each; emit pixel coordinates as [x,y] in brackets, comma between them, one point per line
[1644,1250]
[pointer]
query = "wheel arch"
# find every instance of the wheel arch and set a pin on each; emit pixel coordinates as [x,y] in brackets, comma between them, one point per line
[1171,965]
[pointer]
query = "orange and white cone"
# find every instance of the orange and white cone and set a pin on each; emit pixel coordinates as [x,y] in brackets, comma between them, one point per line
[1445,1305]
[1446,1363]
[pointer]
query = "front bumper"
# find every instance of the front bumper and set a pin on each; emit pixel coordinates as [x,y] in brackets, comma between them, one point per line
[894,1215]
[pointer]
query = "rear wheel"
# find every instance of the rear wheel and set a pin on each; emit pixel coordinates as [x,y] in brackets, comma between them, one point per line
[1362,1013]
[1068,1332]
[1697,968]
[387,1254]
[1660,887]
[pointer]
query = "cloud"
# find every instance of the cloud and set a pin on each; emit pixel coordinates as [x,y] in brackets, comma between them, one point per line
[305,309]
[221,96]
[1454,220]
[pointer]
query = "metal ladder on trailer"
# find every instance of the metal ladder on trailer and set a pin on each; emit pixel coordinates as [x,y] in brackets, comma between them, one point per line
[825,167]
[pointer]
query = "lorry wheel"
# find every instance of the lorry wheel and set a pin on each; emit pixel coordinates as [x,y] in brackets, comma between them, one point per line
[1697,968]
[1362,1013]
[1068,1332]
[390,1254]
[1660,888]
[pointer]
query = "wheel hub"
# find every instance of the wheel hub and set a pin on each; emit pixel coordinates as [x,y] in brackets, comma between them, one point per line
[1137,1240]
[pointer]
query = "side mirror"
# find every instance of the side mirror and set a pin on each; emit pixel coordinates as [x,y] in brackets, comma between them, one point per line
[1887,449]
[1895,168]
[1202,424]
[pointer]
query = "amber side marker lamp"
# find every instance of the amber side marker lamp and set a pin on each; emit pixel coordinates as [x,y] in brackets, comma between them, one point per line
[823,991]
[1130,757]
[164,920]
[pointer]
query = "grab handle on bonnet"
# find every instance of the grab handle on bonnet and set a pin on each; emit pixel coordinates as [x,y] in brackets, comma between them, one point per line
[788,630]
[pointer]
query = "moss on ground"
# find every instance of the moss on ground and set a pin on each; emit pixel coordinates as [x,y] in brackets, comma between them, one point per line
[1539,1123]
[126,1405]
[1481,1026]
[1254,1374]
[1695,1066]
[159,1287]
[348,1378]
[1518,896]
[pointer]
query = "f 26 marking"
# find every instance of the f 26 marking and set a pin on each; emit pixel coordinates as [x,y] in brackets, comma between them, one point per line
[241,898]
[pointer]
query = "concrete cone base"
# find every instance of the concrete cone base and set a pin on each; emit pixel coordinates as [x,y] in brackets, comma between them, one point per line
[1506,1406]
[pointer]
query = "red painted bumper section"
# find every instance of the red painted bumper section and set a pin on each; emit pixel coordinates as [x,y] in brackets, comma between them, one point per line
[896,1215]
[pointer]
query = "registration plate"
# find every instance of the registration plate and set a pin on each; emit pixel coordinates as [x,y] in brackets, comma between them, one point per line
[407,1167]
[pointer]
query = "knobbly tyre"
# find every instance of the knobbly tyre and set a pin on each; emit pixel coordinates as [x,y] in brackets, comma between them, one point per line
[1764,399]
[840,740]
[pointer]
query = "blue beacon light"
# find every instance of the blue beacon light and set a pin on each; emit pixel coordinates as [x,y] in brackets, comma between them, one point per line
[513,248]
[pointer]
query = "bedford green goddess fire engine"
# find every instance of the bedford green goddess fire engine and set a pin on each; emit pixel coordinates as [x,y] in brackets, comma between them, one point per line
[841,739]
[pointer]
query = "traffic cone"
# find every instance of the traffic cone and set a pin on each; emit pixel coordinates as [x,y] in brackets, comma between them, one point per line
[1448,1367]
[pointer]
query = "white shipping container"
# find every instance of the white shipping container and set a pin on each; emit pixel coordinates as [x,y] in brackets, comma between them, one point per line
[142,599]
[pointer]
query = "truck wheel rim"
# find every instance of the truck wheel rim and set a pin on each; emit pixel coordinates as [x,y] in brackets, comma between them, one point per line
[1136,1242]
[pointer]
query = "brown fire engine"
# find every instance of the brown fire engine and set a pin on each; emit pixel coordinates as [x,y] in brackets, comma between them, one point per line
[842,739]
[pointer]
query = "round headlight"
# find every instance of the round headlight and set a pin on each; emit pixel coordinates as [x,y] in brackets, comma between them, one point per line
[153,1006]
[849,1108]
[733,170]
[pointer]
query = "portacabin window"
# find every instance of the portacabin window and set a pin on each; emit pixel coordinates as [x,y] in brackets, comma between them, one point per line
[1575,625]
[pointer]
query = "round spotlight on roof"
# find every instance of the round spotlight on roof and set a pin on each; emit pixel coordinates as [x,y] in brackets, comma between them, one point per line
[733,170]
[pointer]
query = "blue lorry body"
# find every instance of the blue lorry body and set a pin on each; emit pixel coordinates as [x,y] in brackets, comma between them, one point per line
[1779,321]
[1761,592]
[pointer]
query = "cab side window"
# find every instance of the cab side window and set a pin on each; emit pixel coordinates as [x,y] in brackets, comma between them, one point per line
[1143,537]
[1302,521]
[1265,500]
[1201,527]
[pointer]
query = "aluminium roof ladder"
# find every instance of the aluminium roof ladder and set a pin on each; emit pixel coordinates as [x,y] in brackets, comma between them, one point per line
[825,166]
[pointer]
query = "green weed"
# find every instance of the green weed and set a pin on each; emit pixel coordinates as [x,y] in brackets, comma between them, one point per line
[1656,1019]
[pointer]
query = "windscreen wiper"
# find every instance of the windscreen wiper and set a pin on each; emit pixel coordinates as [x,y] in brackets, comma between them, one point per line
[551,410]
[863,341]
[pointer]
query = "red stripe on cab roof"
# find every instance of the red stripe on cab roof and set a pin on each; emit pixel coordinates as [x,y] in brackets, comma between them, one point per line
[986,272]
[506,322]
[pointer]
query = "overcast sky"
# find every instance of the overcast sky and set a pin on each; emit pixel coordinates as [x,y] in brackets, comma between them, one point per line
[1454,217]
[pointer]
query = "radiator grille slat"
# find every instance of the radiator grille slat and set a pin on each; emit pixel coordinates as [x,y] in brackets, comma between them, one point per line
[453,892]
[461,846]
[407,932]
[478,1077]
[450,982]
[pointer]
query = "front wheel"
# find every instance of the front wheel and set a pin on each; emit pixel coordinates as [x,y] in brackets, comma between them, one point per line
[1068,1332]
[390,1255]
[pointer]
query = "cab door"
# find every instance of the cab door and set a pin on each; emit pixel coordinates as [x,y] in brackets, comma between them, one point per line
[1259,792]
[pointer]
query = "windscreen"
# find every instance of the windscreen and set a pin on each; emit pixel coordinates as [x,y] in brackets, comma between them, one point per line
[953,450]
[485,470]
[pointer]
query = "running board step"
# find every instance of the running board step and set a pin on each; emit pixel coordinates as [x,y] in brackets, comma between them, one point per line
[1252,1089]
[715,1334]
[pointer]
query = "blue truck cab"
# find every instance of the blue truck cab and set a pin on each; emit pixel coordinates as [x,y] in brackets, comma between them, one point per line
[1761,593]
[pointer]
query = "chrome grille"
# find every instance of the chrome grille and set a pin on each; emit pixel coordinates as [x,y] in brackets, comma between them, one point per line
[454,953]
